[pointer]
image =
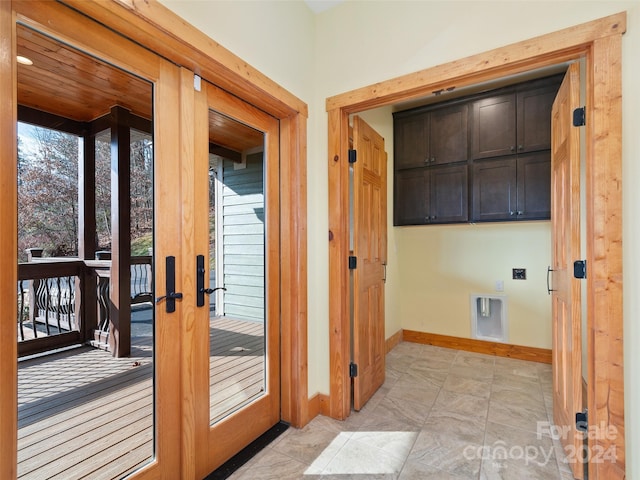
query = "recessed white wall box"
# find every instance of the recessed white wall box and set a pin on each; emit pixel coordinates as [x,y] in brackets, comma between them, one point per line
[489,317]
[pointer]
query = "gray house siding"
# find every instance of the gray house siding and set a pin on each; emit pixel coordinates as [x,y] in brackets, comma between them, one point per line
[243,238]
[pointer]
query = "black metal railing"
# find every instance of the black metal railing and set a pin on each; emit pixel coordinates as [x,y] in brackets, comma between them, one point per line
[47,303]
[53,311]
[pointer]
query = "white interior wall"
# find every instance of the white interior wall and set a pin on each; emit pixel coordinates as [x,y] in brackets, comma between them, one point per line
[359,43]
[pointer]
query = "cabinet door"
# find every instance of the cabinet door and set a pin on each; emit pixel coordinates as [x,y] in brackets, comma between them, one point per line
[494,190]
[534,118]
[448,134]
[411,191]
[411,141]
[449,200]
[534,186]
[494,126]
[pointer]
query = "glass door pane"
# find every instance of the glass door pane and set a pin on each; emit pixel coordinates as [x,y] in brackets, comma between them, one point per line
[237,265]
[86,394]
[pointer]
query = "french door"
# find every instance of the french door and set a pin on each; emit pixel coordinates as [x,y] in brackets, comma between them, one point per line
[214,374]
[232,370]
[90,413]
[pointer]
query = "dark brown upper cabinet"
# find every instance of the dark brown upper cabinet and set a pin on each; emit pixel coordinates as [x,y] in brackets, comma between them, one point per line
[513,188]
[431,136]
[431,195]
[494,126]
[481,158]
[517,120]
[533,121]
[411,189]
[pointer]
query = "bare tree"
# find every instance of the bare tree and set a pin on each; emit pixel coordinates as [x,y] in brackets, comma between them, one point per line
[48,194]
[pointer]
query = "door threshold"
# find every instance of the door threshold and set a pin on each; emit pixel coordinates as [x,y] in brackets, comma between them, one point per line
[225,470]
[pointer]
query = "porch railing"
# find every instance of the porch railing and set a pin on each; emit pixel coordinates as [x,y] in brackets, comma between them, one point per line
[58,306]
[47,304]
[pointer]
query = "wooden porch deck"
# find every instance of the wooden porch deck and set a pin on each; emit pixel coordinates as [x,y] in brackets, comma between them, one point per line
[84,414]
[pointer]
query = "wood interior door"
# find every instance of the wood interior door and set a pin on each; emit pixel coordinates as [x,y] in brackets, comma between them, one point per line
[370,249]
[566,304]
[232,365]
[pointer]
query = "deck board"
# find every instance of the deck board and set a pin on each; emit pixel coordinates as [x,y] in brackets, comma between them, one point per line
[85,414]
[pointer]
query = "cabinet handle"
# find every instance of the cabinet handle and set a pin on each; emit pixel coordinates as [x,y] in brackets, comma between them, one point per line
[520,147]
[433,159]
[520,212]
[434,217]
[512,148]
[427,218]
[512,213]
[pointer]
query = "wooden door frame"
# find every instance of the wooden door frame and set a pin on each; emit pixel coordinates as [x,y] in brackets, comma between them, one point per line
[155,27]
[600,43]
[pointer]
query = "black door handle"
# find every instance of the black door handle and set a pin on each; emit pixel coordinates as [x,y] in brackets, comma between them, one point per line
[200,290]
[171,295]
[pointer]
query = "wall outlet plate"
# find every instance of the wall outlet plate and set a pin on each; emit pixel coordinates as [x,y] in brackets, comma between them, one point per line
[519,273]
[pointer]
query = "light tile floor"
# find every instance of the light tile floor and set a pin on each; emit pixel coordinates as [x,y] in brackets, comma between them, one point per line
[441,414]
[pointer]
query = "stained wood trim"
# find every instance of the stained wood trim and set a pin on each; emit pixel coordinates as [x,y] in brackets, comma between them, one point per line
[194,322]
[518,57]
[339,337]
[8,246]
[318,405]
[599,42]
[604,254]
[158,28]
[168,338]
[393,341]
[293,250]
[532,354]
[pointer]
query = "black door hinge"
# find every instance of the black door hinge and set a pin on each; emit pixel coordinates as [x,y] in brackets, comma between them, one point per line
[580,269]
[352,156]
[353,370]
[579,117]
[353,262]
[582,424]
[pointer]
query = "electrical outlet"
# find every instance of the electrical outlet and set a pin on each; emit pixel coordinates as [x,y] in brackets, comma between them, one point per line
[499,286]
[519,273]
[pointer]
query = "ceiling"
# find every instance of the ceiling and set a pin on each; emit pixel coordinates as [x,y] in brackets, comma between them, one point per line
[72,84]
[318,6]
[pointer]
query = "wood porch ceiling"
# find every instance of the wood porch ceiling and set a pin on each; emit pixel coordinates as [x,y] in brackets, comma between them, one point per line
[69,83]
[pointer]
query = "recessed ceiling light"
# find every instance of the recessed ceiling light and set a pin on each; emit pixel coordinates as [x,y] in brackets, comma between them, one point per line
[24,60]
